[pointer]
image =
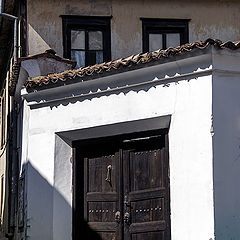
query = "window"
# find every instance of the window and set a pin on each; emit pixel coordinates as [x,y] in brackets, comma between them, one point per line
[163,33]
[87,40]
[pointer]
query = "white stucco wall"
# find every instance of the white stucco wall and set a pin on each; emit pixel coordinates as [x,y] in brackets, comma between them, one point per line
[189,102]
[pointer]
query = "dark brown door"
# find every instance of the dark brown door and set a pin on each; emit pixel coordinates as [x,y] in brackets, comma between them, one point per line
[102,199]
[125,190]
[146,190]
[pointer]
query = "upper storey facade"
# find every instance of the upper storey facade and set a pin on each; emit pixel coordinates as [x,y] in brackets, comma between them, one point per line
[102,30]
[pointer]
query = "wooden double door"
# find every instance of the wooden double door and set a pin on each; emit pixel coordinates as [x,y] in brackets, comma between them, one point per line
[122,190]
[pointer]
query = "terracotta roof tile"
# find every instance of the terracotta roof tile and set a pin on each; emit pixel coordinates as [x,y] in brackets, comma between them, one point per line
[128,62]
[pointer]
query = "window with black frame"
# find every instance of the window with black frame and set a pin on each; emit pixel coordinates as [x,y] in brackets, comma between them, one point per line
[87,40]
[164,33]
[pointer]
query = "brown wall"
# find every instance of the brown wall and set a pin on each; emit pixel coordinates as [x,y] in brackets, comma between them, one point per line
[213,18]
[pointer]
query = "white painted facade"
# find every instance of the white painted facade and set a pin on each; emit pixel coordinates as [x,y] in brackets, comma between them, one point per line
[200,93]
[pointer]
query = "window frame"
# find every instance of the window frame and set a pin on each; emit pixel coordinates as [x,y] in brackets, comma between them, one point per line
[87,23]
[163,26]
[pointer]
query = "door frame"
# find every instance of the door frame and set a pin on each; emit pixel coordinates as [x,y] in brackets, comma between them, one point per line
[117,132]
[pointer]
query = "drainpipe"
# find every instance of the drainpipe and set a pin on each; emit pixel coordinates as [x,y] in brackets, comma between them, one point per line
[13,160]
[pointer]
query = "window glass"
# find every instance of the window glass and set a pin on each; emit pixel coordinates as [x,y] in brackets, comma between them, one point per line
[172,40]
[99,57]
[79,57]
[155,42]
[95,40]
[77,39]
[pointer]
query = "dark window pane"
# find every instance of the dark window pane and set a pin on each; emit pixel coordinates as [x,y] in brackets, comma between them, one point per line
[79,57]
[155,42]
[172,40]
[91,58]
[77,39]
[95,40]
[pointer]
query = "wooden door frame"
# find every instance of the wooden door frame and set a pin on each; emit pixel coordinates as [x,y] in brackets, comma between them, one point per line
[116,132]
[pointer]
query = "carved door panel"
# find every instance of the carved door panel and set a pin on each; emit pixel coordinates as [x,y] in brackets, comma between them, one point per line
[125,190]
[146,190]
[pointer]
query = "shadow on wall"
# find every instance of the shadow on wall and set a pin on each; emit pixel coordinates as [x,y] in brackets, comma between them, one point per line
[44,219]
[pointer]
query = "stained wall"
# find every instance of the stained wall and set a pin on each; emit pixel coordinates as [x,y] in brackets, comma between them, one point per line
[215,18]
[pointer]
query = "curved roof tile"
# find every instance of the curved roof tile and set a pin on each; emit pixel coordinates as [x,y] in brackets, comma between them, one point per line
[128,62]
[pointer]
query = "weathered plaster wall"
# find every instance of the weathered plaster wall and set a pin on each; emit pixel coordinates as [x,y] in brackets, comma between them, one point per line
[188,101]
[215,18]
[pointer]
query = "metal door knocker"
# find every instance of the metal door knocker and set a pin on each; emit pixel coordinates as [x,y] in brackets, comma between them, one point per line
[109,171]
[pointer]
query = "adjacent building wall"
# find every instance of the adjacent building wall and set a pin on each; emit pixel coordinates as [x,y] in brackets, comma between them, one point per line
[226,144]
[209,18]
[226,147]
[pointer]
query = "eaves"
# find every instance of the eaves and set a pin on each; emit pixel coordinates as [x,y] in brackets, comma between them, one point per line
[191,66]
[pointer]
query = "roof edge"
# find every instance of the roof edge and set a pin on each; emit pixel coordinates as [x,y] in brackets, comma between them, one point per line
[127,63]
